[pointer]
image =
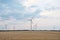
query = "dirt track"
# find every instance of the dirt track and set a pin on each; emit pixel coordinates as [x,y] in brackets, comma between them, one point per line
[30,35]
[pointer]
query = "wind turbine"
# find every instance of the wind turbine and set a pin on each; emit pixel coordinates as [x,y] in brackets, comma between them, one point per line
[54,27]
[6,26]
[31,22]
[13,27]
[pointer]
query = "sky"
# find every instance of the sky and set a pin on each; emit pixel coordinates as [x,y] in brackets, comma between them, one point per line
[17,14]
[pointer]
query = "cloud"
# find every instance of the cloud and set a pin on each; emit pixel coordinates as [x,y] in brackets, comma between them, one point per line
[39,23]
[7,10]
[55,3]
[25,7]
[28,3]
[12,24]
[54,13]
[48,12]
[31,6]
[46,23]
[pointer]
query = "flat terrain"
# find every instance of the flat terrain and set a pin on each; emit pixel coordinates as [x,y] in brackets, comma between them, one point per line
[30,35]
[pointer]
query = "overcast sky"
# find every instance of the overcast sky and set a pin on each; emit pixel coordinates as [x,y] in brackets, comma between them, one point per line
[17,13]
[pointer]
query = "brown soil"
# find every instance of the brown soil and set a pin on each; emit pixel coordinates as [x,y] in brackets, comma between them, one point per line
[30,35]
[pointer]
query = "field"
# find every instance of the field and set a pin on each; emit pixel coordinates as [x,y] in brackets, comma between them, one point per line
[30,35]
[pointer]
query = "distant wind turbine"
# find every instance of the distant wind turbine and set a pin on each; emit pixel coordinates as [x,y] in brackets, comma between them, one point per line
[6,26]
[31,22]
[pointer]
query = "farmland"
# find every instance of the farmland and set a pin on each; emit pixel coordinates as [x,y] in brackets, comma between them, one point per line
[30,35]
